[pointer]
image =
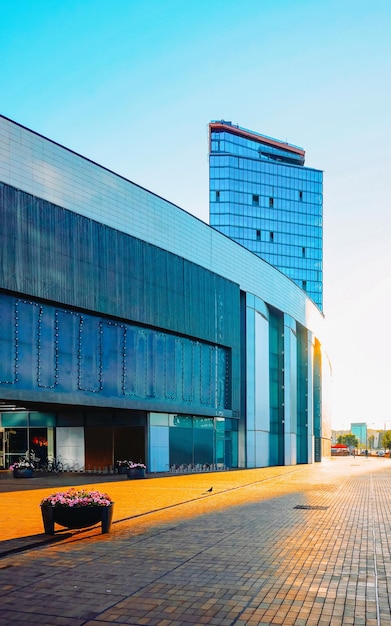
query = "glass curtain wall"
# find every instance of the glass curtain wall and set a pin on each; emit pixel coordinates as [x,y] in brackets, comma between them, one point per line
[25,433]
[202,441]
[263,198]
[302,394]
[276,355]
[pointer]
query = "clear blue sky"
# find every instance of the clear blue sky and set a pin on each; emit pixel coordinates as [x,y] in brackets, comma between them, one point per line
[132,85]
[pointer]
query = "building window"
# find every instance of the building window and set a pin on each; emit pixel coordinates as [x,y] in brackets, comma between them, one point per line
[300,195]
[303,251]
[304,284]
[271,236]
[271,201]
[255,199]
[258,234]
[217,196]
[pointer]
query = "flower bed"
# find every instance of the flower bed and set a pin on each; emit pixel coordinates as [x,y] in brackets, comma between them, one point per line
[123,467]
[77,508]
[22,469]
[77,497]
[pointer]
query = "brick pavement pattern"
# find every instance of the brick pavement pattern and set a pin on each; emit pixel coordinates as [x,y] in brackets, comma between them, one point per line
[302,546]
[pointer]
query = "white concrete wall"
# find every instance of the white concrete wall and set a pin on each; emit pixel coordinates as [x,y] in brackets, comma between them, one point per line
[70,446]
[258,389]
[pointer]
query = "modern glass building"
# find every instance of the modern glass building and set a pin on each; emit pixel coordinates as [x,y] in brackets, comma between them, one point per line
[360,430]
[263,197]
[129,329]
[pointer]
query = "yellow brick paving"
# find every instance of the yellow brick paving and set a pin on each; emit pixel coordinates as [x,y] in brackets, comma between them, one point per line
[132,497]
[242,555]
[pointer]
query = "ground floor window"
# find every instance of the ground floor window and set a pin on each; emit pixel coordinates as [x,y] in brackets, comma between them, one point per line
[96,439]
[23,432]
[202,441]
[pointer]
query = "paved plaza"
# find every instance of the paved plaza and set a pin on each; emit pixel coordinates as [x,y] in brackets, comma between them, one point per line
[300,546]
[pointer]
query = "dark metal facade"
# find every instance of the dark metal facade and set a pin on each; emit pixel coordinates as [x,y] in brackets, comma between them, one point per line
[93,316]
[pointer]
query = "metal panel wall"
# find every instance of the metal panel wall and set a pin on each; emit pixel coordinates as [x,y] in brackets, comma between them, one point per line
[50,354]
[49,253]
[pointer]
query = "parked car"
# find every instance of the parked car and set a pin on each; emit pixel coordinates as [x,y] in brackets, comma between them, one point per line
[380,452]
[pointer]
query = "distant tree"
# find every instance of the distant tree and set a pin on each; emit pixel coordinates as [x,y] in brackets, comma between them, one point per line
[371,441]
[387,439]
[348,440]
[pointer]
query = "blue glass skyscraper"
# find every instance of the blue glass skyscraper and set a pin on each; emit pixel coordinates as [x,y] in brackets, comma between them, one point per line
[263,197]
